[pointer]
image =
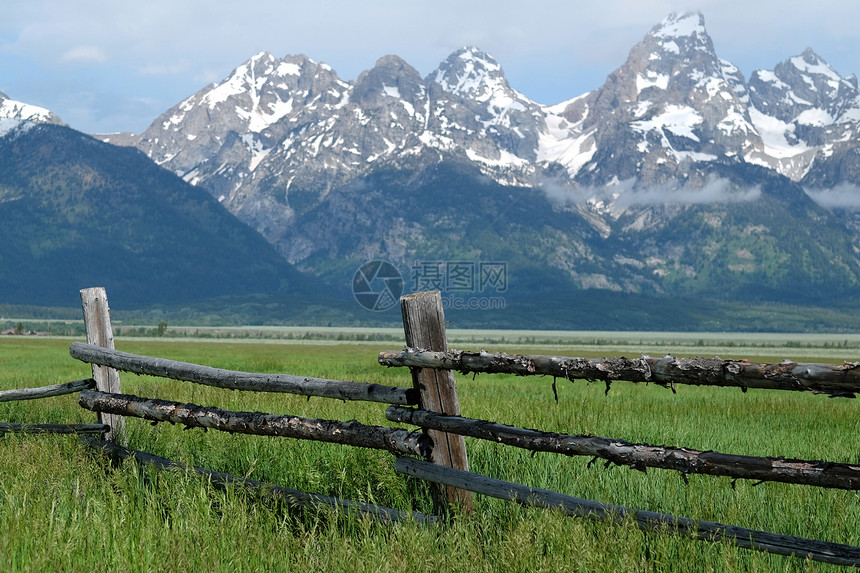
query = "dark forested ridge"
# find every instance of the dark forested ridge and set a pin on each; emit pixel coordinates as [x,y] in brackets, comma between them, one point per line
[77,212]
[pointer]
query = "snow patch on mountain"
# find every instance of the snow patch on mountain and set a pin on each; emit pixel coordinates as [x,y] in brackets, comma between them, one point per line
[651,79]
[11,109]
[677,119]
[777,135]
[8,124]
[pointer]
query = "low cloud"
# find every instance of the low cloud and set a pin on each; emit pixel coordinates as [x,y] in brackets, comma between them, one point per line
[843,196]
[630,193]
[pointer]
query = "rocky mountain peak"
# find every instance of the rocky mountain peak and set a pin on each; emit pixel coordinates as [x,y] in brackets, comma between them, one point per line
[684,25]
[804,89]
[391,77]
[672,103]
[266,88]
[276,136]
[327,169]
[809,118]
[678,49]
[470,72]
[476,112]
[675,58]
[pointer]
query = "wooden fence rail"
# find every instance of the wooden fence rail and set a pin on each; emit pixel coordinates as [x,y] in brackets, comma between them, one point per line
[46,391]
[640,456]
[705,530]
[6,428]
[349,433]
[266,491]
[234,380]
[834,380]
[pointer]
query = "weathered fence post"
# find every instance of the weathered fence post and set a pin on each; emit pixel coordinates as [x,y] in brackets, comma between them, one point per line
[99,332]
[424,326]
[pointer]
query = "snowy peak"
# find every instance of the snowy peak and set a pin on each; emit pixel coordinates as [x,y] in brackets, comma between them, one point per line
[267,89]
[672,103]
[686,26]
[673,59]
[475,111]
[234,121]
[16,110]
[472,73]
[678,41]
[391,77]
[678,49]
[806,90]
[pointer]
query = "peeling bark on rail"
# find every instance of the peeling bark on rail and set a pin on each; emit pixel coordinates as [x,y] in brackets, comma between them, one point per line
[641,456]
[823,551]
[46,391]
[234,380]
[265,491]
[349,433]
[835,380]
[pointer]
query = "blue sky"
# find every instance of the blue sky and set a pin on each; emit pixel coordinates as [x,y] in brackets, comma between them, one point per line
[108,65]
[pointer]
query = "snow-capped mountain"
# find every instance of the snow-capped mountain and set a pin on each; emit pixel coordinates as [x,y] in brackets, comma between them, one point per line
[672,138]
[804,111]
[475,110]
[320,130]
[14,113]
[276,125]
[277,134]
[672,105]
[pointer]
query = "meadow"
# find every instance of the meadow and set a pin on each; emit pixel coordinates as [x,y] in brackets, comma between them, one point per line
[65,508]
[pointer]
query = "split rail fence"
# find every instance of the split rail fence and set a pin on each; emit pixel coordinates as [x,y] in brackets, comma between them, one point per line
[437,453]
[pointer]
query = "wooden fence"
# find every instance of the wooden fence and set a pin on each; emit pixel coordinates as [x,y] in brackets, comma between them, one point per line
[439,449]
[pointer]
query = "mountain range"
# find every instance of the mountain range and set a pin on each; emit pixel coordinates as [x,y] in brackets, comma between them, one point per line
[677,178]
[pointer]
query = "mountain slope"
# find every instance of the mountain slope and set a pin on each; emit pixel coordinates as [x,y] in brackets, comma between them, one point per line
[735,246]
[78,213]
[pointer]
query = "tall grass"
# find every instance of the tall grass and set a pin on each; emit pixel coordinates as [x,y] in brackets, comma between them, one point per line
[64,508]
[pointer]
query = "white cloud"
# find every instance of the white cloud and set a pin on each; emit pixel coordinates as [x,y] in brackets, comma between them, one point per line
[630,193]
[84,55]
[843,196]
[715,190]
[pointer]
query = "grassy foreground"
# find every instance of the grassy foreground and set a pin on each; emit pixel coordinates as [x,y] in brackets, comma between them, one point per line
[63,508]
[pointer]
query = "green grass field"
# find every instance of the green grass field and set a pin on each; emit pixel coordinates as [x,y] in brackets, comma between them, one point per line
[64,508]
